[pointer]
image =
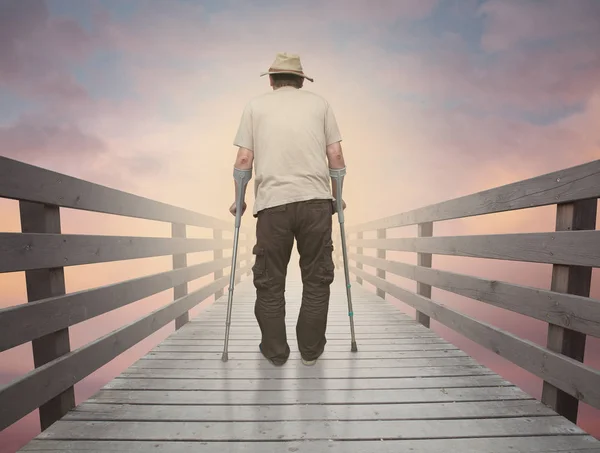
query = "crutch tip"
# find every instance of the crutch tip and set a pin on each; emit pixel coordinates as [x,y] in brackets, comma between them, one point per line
[354,348]
[225,357]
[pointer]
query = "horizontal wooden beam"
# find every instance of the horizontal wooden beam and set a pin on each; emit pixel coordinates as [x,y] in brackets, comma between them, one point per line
[26,322]
[578,248]
[26,251]
[21,181]
[576,183]
[27,393]
[563,372]
[575,312]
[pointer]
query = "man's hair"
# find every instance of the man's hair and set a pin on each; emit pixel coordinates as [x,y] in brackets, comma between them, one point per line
[287,80]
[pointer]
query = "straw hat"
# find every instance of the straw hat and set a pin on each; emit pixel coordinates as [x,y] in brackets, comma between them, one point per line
[287,64]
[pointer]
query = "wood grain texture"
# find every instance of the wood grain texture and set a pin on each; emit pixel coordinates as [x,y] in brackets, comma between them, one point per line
[576,312]
[573,248]
[575,183]
[580,215]
[381,234]
[529,444]
[38,386]
[21,181]
[563,372]
[40,284]
[22,323]
[424,260]
[27,251]
[217,255]
[179,230]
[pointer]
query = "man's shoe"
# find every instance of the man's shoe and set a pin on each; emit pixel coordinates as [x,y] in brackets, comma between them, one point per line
[308,362]
[270,360]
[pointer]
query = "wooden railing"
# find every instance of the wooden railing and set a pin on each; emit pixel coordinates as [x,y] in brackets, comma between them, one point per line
[42,252]
[573,250]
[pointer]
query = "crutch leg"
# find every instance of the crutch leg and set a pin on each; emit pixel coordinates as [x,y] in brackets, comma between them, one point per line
[338,174]
[241,177]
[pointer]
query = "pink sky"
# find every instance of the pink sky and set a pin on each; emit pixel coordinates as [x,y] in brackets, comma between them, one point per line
[435,99]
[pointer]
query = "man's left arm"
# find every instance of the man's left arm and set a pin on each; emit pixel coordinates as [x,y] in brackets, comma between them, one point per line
[244,140]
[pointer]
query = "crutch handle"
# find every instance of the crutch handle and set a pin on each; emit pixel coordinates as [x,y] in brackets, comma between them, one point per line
[338,175]
[242,177]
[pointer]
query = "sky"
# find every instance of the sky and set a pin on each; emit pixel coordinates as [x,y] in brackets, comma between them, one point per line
[434,99]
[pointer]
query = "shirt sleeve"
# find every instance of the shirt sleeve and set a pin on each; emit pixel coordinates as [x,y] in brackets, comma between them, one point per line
[244,137]
[332,132]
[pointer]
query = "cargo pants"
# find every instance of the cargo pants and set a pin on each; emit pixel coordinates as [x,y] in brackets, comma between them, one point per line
[310,223]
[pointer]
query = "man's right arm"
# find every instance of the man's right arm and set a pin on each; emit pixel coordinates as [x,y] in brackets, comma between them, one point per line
[335,158]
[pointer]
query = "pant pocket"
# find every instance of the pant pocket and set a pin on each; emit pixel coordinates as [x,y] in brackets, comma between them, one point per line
[327,268]
[259,269]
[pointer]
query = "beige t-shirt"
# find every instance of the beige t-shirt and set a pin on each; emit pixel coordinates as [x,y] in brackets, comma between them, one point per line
[288,130]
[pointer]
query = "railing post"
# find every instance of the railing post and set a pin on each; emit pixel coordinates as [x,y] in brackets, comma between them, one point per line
[381,234]
[424,259]
[359,251]
[218,254]
[580,215]
[179,230]
[43,283]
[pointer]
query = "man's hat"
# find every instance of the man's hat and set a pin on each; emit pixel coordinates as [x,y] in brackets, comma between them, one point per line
[287,64]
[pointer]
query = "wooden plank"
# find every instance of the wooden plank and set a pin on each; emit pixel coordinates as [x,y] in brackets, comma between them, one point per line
[21,181]
[27,251]
[274,413]
[38,386]
[287,372]
[576,312]
[563,372]
[530,444]
[254,385]
[293,430]
[192,347]
[195,330]
[22,323]
[573,248]
[218,254]
[179,230]
[575,183]
[359,250]
[316,397]
[415,340]
[381,234]
[43,283]
[235,363]
[569,279]
[327,355]
[424,260]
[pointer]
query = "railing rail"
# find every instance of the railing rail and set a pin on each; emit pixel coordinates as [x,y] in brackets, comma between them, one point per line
[573,250]
[43,252]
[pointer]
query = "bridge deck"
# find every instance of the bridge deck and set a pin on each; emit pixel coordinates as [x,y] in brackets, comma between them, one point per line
[405,390]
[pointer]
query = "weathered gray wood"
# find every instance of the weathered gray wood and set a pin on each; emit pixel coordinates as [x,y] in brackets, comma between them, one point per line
[580,215]
[359,250]
[335,343]
[424,260]
[578,313]
[218,254]
[179,230]
[21,181]
[573,248]
[38,386]
[43,283]
[22,323]
[529,444]
[576,183]
[294,430]
[381,234]
[354,364]
[288,372]
[563,372]
[27,251]
[254,385]
[317,397]
[194,347]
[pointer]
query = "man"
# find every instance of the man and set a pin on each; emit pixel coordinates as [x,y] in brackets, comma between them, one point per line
[291,137]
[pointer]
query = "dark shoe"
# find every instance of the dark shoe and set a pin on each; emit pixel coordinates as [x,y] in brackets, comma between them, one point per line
[270,360]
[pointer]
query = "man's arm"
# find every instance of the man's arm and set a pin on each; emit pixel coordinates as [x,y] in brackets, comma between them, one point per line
[335,158]
[243,161]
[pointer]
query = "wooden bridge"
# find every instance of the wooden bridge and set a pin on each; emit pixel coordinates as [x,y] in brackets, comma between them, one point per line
[406,389]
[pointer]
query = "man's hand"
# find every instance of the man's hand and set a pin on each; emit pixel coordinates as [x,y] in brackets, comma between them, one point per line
[334,203]
[233,208]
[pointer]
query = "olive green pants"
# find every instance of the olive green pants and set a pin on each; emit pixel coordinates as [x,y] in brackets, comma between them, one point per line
[310,223]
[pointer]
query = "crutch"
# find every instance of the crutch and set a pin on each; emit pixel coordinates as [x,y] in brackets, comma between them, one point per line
[338,175]
[241,177]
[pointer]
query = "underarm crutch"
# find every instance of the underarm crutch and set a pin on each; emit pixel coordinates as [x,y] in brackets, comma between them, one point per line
[338,175]
[241,177]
